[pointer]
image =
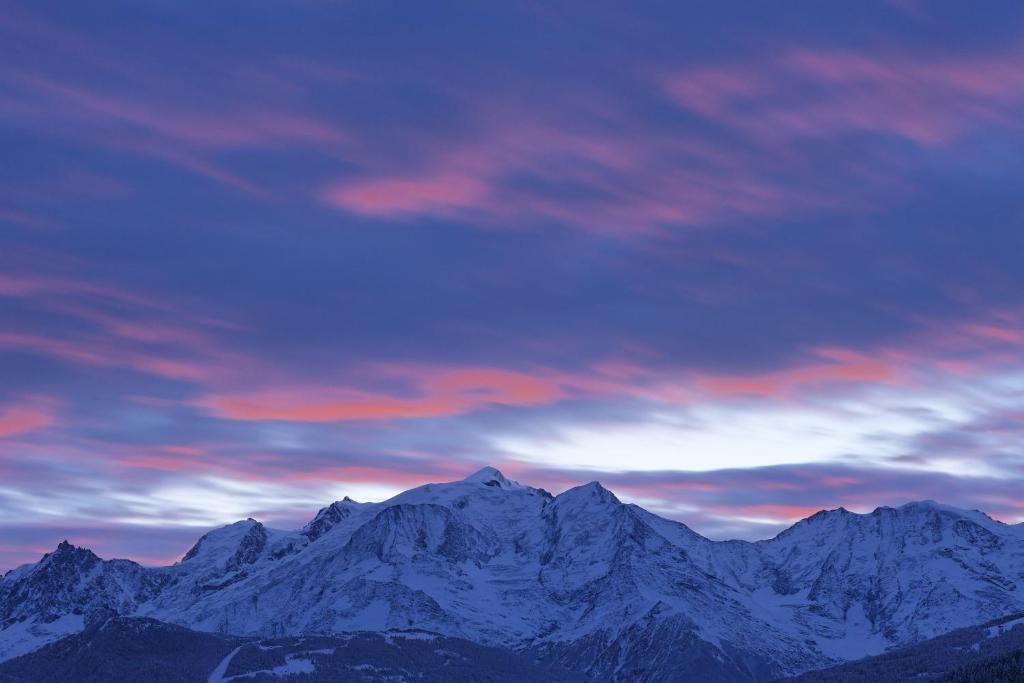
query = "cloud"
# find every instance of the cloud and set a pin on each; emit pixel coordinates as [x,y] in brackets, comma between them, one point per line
[100,325]
[737,267]
[438,393]
[611,178]
[806,93]
[844,366]
[17,420]
[400,196]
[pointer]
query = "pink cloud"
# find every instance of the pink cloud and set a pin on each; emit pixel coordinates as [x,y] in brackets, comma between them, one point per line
[65,350]
[22,284]
[841,366]
[630,180]
[930,101]
[398,196]
[23,419]
[98,352]
[439,392]
[1001,333]
[122,329]
[484,383]
[971,347]
[779,512]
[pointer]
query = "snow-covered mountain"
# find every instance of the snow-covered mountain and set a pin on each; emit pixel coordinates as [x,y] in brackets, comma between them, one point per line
[579,580]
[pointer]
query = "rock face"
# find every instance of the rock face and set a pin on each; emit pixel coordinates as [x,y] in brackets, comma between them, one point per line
[580,581]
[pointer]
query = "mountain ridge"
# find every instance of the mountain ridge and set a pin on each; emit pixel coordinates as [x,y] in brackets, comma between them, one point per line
[580,580]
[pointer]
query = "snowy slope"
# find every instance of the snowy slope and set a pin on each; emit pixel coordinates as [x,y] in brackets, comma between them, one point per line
[578,579]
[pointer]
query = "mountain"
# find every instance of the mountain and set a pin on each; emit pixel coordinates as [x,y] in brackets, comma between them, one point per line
[66,591]
[976,653]
[579,581]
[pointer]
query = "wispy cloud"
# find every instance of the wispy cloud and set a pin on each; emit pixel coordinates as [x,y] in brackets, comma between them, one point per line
[929,100]
[25,417]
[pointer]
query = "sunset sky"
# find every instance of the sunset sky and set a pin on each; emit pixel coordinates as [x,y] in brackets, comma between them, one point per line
[737,261]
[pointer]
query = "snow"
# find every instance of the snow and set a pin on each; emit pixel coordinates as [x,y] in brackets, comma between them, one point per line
[857,640]
[25,636]
[999,630]
[409,635]
[489,476]
[294,664]
[217,675]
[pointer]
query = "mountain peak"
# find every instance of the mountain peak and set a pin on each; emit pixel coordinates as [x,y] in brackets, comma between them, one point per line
[931,506]
[66,553]
[490,476]
[65,548]
[328,517]
[924,505]
[237,542]
[917,506]
[592,490]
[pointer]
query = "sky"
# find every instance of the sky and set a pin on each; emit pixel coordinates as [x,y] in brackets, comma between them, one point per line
[737,261]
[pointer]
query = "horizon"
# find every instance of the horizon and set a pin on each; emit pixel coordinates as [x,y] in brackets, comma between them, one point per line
[739,263]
